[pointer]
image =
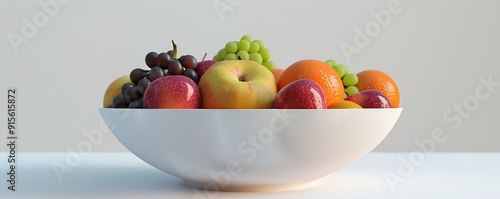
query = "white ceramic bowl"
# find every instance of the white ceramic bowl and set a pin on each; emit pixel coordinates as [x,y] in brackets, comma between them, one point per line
[250,150]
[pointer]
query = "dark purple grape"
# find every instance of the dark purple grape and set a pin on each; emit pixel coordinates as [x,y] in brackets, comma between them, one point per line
[163,59]
[151,59]
[140,90]
[175,67]
[137,74]
[188,61]
[125,87]
[143,84]
[134,94]
[128,95]
[170,53]
[136,104]
[119,102]
[155,73]
[191,74]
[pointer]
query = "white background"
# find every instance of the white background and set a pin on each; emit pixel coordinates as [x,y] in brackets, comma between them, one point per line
[435,51]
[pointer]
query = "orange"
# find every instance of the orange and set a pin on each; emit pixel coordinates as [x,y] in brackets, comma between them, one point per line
[378,80]
[318,71]
[344,104]
[277,72]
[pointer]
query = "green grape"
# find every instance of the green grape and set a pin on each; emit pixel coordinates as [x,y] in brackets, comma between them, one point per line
[351,90]
[217,57]
[256,57]
[260,42]
[345,68]
[246,37]
[350,79]
[269,64]
[231,47]
[254,47]
[339,69]
[265,53]
[222,53]
[231,56]
[331,62]
[243,45]
[243,55]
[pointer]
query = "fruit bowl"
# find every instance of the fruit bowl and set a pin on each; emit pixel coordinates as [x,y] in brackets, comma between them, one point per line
[250,149]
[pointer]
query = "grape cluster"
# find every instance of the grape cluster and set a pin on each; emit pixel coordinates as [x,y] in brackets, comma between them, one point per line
[349,80]
[167,63]
[131,94]
[246,49]
[160,65]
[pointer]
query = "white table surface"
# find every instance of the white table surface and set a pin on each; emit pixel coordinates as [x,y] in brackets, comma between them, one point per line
[122,175]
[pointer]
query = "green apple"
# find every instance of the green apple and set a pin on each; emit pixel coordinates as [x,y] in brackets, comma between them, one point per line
[237,84]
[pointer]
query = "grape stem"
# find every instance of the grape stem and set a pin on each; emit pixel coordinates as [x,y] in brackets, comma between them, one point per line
[174,45]
[204,57]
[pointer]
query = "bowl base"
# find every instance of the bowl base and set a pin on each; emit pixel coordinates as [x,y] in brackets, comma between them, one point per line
[250,188]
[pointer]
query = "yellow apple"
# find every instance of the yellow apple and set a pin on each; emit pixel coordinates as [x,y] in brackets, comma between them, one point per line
[114,89]
[237,84]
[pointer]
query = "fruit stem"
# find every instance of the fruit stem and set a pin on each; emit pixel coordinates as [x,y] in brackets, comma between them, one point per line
[174,45]
[204,57]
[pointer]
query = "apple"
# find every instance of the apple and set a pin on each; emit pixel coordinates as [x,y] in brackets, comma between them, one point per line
[114,89]
[301,94]
[237,84]
[370,99]
[202,67]
[173,91]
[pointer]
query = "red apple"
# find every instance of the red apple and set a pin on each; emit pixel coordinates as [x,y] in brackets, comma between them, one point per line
[370,99]
[203,66]
[301,94]
[173,91]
